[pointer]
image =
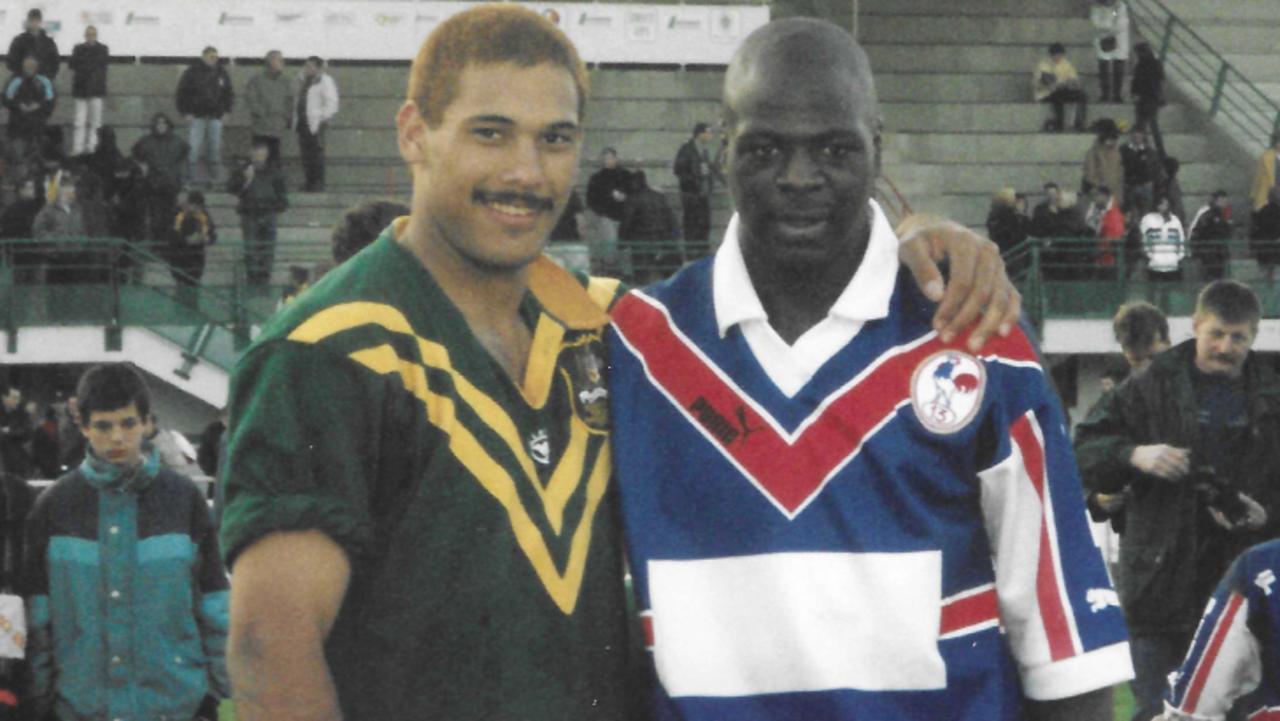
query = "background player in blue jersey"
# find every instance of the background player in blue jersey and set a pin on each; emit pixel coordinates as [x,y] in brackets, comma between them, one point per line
[852,517]
[1235,656]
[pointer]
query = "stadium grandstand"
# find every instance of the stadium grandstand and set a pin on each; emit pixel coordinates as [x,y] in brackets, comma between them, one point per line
[960,122]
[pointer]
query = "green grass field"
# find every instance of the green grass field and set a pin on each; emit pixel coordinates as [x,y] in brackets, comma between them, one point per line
[1123,706]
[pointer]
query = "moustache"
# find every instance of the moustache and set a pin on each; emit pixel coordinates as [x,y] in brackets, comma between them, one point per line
[525,200]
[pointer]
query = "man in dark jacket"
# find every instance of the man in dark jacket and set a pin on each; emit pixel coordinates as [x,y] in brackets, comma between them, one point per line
[648,224]
[1142,170]
[1147,89]
[34,41]
[30,97]
[1209,233]
[606,192]
[1195,439]
[88,86]
[204,96]
[162,156]
[693,169]
[259,184]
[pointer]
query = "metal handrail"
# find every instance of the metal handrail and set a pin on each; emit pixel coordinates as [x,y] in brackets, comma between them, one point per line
[1208,75]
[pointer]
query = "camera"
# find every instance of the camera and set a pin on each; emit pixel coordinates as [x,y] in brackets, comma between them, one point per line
[1218,494]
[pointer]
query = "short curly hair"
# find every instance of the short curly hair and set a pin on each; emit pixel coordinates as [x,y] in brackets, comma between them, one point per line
[493,33]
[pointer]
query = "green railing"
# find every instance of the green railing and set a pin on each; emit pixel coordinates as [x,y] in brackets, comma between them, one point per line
[1206,74]
[1082,278]
[113,283]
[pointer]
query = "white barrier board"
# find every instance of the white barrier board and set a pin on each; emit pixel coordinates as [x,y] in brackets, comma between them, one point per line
[379,29]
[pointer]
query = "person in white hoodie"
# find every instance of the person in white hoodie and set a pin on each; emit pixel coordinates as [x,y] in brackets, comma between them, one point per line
[1110,20]
[317,103]
[1164,242]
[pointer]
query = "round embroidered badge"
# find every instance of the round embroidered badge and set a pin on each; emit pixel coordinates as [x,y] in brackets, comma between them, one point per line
[947,389]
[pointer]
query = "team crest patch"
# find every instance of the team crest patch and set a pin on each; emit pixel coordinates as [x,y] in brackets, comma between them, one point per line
[585,369]
[947,389]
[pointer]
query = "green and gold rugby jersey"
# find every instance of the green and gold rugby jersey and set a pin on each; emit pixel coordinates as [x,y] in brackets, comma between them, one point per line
[487,578]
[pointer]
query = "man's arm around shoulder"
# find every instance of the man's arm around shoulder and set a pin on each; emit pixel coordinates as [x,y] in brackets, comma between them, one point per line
[286,590]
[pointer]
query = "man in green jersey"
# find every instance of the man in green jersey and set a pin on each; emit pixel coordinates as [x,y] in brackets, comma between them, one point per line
[418,508]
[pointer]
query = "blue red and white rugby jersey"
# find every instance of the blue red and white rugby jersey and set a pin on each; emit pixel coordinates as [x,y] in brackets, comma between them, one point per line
[904,537]
[1236,651]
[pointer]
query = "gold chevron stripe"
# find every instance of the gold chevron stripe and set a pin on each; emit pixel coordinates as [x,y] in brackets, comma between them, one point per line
[492,476]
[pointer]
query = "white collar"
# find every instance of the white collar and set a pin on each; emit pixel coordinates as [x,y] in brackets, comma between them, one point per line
[865,298]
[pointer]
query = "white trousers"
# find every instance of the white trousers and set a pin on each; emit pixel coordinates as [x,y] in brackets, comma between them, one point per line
[87,121]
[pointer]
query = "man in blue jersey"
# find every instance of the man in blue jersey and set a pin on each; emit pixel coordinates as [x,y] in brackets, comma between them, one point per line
[832,510]
[1233,660]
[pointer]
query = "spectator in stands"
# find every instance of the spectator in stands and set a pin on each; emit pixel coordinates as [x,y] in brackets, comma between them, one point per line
[204,96]
[1043,217]
[648,232]
[1108,223]
[1056,82]
[30,98]
[606,192]
[88,87]
[1209,233]
[18,217]
[62,219]
[1110,20]
[1006,226]
[193,232]
[361,225]
[1147,90]
[1103,164]
[1164,242]
[569,227]
[16,428]
[1264,234]
[61,226]
[36,42]
[269,97]
[162,157]
[140,632]
[317,104]
[1142,169]
[1264,178]
[260,187]
[122,183]
[693,170]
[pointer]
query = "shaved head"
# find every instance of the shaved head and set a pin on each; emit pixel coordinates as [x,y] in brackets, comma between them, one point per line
[802,50]
[803,129]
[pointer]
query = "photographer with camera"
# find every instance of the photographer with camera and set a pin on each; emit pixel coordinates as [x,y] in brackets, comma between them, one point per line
[1196,441]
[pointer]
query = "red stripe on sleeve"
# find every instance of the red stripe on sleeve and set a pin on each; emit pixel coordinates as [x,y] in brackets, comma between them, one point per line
[1205,667]
[1048,587]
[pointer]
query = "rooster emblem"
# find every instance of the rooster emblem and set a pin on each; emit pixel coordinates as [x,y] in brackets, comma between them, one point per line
[947,390]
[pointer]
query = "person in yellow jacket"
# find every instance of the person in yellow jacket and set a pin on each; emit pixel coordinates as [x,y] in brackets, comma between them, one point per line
[1265,176]
[1056,82]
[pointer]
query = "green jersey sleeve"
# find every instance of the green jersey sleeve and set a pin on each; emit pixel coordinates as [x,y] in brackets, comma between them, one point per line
[300,454]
